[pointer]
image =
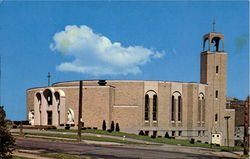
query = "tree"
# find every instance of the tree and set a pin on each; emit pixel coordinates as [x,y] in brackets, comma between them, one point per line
[117,128]
[112,126]
[7,141]
[104,125]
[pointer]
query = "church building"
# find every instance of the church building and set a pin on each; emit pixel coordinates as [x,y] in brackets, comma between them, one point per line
[184,110]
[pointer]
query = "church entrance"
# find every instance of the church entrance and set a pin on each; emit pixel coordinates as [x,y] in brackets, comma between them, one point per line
[49,117]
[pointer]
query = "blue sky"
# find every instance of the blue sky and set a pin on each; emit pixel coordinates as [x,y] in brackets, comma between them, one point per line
[157,41]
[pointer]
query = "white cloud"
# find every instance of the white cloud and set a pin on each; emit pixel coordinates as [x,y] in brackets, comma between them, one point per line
[96,54]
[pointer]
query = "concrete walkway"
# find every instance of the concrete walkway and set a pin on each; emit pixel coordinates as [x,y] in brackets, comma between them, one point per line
[31,154]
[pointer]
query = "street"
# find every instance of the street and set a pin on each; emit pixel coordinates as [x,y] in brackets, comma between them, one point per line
[110,151]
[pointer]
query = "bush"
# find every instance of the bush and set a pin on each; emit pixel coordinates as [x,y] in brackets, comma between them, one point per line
[7,140]
[67,127]
[104,125]
[217,145]
[109,130]
[88,127]
[153,137]
[206,142]
[167,135]
[141,133]
[146,133]
[117,128]
[159,136]
[198,141]
[84,128]
[112,126]
[192,141]
[95,128]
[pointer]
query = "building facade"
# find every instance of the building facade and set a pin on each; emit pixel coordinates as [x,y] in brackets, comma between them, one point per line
[181,109]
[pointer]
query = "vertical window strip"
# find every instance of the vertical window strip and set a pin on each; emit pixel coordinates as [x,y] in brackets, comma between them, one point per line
[179,108]
[146,117]
[155,108]
[173,109]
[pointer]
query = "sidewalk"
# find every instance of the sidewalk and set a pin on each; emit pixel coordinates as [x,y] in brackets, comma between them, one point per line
[31,154]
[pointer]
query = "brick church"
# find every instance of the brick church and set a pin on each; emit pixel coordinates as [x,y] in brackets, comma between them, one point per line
[183,109]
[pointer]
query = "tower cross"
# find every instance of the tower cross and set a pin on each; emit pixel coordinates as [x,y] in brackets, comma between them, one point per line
[49,76]
[214,25]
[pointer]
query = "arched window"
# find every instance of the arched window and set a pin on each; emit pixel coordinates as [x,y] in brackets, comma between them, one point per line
[48,96]
[179,108]
[146,116]
[155,107]
[39,98]
[57,96]
[173,109]
[201,108]
[216,117]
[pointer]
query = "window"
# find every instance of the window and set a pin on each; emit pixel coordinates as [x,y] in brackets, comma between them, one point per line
[146,117]
[180,133]
[48,96]
[203,109]
[173,133]
[216,94]
[199,110]
[173,109]
[155,108]
[216,118]
[217,69]
[199,133]
[179,108]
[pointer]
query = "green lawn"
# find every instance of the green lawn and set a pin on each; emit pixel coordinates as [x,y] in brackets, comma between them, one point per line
[157,140]
[17,157]
[63,156]
[92,138]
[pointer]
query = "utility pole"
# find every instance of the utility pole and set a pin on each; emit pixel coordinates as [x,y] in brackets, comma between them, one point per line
[246,126]
[80,112]
[227,117]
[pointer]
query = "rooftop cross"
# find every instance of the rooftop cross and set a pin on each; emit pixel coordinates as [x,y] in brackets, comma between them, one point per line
[49,76]
[214,25]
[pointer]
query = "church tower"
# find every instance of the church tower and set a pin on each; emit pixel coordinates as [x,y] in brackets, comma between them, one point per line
[214,74]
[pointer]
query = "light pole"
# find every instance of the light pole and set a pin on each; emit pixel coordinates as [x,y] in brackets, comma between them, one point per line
[227,117]
[80,112]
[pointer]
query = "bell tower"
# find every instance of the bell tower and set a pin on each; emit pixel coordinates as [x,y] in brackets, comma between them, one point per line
[214,74]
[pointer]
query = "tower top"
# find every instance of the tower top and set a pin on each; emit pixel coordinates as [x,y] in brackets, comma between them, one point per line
[213,40]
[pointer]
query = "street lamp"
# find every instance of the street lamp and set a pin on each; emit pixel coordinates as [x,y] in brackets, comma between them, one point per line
[227,117]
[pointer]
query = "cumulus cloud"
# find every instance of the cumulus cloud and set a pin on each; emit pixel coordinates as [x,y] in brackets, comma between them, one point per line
[97,55]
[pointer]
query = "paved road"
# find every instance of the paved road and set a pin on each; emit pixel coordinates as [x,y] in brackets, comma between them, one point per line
[123,151]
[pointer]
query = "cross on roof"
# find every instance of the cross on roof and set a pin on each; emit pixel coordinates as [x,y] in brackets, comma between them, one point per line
[214,25]
[49,76]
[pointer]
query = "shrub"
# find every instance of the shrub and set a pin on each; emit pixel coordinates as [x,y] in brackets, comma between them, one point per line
[95,128]
[84,128]
[117,128]
[167,135]
[104,125]
[159,136]
[112,126]
[88,127]
[206,142]
[67,127]
[199,141]
[7,140]
[141,133]
[192,141]
[109,130]
[153,137]
[217,145]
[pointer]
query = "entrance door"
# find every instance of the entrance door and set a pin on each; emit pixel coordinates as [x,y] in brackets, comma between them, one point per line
[49,117]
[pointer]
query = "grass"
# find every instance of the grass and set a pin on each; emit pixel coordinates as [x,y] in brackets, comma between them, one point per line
[182,142]
[18,157]
[91,138]
[62,156]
